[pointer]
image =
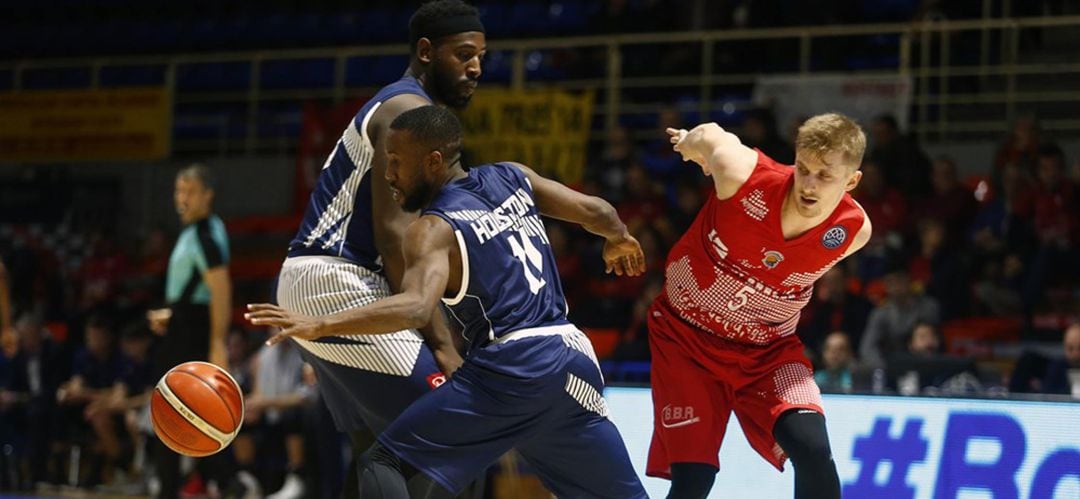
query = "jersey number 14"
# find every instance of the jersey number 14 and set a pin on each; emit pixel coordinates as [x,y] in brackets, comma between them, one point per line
[528,254]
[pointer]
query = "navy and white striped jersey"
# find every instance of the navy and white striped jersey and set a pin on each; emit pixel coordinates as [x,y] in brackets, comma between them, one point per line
[509,279]
[338,219]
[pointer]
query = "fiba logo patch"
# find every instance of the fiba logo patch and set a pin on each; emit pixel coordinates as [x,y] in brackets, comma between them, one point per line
[772,259]
[834,237]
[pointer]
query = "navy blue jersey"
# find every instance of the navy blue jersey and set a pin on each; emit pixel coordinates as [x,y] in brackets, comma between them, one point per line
[338,220]
[509,279]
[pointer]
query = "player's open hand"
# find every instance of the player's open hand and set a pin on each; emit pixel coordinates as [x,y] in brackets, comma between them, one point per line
[292,325]
[690,144]
[623,256]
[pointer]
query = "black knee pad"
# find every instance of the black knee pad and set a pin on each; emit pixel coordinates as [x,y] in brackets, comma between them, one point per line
[691,480]
[802,435]
[379,455]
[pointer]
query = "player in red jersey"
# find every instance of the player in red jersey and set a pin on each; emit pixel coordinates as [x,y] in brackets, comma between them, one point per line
[722,332]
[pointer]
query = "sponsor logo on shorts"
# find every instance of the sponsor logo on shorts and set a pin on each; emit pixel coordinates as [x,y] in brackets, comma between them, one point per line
[678,416]
[834,237]
[435,380]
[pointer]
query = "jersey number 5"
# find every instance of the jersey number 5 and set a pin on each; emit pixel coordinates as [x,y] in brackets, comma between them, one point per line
[527,253]
[741,297]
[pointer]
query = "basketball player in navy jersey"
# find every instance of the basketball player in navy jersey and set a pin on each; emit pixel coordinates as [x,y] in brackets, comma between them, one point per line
[347,252]
[530,380]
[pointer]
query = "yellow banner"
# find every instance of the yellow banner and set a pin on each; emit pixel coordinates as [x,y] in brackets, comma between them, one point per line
[547,130]
[79,125]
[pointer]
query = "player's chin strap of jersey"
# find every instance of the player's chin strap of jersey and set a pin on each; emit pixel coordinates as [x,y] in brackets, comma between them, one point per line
[437,28]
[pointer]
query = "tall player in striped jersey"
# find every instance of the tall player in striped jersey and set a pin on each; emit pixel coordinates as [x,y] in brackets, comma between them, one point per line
[347,252]
[530,380]
[722,332]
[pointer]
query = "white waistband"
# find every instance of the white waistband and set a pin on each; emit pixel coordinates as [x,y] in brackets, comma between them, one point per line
[561,329]
[301,260]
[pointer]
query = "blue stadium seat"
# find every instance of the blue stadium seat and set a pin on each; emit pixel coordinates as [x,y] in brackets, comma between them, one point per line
[568,16]
[127,76]
[374,71]
[52,78]
[6,79]
[301,73]
[214,76]
[498,66]
[494,16]
[529,17]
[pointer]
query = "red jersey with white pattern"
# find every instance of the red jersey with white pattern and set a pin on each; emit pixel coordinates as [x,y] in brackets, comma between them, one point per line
[734,275]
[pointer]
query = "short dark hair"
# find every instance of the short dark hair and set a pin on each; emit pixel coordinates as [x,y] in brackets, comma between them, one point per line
[198,171]
[433,126]
[433,11]
[1052,150]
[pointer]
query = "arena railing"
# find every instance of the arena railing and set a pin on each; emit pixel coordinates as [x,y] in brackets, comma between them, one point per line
[946,105]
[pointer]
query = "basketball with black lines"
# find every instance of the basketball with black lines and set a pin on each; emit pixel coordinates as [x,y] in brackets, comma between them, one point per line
[197,409]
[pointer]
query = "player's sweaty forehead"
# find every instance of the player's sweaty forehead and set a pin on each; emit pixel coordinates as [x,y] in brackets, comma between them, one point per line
[833,162]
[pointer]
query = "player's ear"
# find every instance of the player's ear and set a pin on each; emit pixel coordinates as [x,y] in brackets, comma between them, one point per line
[853,181]
[434,161]
[425,50]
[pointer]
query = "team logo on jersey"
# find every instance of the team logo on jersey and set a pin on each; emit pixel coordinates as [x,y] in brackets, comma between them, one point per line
[772,259]
[834,237]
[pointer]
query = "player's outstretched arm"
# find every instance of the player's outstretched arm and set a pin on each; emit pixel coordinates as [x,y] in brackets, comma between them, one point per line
[720,153]
[427,247]
[622,253]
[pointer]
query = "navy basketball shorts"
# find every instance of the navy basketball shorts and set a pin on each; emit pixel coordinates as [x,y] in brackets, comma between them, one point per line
[550,411]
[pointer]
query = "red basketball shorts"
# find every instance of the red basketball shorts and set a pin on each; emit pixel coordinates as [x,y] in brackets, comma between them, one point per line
[698,380]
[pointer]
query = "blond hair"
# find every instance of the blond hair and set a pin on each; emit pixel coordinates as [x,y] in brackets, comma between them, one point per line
[832,132]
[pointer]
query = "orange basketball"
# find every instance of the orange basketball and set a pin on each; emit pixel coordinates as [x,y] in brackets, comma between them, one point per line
[197,409]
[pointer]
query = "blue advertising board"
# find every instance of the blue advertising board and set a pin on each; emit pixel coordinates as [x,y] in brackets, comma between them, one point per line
[900,448]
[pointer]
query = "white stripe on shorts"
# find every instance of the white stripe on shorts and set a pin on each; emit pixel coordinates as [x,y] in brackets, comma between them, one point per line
[586,395]
[323,285]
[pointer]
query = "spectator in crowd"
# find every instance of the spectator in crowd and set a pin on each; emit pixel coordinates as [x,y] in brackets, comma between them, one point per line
[837,363]
[7,331]
[759,131]
[664,167]
[883,203]
[951,202]
[890,323]
[30,399]
[939,269]
[924,340]
[833,308]
[905,166]
[1056,207]
[273,410]
[611,168]
[96,370]
[634,343]
[1057,227]
[689,196]
[643,202]
[1020,149]
[1063,375]
[240,360]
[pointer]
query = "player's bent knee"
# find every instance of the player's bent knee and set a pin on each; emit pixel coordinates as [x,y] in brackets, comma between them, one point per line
[377,455]
[803,437]
[691,480]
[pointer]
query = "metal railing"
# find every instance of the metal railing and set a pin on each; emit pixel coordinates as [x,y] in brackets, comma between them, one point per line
[923,51]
